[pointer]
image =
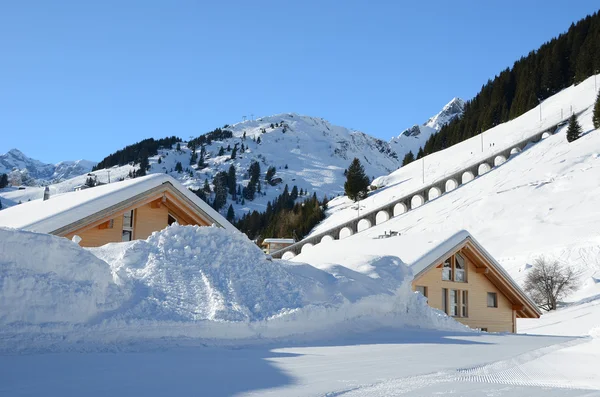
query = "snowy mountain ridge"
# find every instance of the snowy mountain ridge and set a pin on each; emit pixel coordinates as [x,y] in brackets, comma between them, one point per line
[307,152]
[27,171]
[413,138]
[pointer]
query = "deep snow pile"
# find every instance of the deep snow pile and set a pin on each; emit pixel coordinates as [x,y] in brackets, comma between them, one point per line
[189,281]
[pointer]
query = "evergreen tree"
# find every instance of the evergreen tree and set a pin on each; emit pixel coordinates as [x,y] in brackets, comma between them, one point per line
[220,183]
[574,131]
[243,148]
[179,167]
[193,157]
[159,160]
[239,190]
[228,148]
[230,213]
[420,153]
[357,181]
[0,204]
[221,151]
[294,194]
[178,147]
[202,155]
[244,137]
[234,152]
[206,187]
[270,173]
[408,158]
[231,181]
[596,118]
[3,181]
[258,140]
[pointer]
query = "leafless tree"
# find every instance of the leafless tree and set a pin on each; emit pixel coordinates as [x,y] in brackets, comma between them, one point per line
[549,281]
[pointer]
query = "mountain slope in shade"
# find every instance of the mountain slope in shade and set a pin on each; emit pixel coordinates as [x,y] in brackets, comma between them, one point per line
[33,172]
[415,137]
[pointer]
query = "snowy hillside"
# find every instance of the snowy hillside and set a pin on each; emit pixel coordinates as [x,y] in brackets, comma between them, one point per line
[543,201]
[307,152]
[23,170]
[413,138]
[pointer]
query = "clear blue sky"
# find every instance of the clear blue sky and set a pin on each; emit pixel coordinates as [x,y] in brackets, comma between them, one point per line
[81,79]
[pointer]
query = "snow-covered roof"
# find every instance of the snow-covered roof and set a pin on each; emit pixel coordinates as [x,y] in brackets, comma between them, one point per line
[64,209]
[279,240]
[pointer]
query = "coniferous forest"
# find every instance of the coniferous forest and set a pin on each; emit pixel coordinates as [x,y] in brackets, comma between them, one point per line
[565,60]
[137,152]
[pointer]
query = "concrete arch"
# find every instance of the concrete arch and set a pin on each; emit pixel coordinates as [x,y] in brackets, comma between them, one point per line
[363,224]
[467,176]
[345,232]
[499,159]
[306,247]
[327,238]
[416,201]
[546,135]
[515,150]
[483,168]
[288,255]
[400,208]
[451,184]
[382,216]
[434,193]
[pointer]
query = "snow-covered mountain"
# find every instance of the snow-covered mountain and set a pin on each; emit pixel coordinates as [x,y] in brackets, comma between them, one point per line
[27,171]
[307,152]
[415,137]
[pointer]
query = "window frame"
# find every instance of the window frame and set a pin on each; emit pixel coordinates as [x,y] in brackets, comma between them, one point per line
[128,229]
[449,273]
[495,297]
[453,306]
[464,303]
[445,300]
[424,287]
[447,269]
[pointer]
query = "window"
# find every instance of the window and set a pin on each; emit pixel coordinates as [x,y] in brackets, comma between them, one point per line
[492,299]
[171,219]
[422,290]
[453,302]
[445,300]
[454,269]
[127,226]
[447,269]
[464,301]
[459,268]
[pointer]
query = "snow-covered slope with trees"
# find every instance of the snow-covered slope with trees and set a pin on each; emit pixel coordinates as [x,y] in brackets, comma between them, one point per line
[543,201]
[23,170]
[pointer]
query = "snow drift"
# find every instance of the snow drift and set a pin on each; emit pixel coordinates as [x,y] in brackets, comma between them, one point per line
[192,282]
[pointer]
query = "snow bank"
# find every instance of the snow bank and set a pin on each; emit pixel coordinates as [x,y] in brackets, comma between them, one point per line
[189,282]
[50,279]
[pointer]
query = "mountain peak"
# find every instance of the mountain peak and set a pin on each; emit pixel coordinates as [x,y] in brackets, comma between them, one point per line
[449,112]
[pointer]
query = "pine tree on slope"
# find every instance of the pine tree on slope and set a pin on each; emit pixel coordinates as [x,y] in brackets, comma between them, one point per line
[596,118]
[574,131]
[408,158]
[230,213]
[357,181]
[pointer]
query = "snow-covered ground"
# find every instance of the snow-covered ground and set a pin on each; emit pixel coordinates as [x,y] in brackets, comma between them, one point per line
[543,201]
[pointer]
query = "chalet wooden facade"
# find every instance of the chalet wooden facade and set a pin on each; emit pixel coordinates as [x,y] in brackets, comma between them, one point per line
[465,282]
[121,211]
